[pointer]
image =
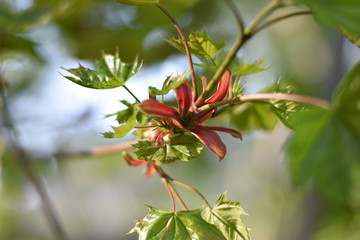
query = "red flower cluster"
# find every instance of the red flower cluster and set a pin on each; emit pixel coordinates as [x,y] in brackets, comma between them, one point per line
[187,118]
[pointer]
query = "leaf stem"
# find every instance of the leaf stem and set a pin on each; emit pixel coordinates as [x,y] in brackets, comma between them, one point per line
[161,172]
[187,49]
[241,39]
[128,90]
[194,190]
[278,19]
[167,186]
[178,197]
[322,103]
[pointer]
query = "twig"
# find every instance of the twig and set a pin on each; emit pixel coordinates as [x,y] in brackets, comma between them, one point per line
[24,161]
[98,151]
[278,19]
[322,103]
[187,49]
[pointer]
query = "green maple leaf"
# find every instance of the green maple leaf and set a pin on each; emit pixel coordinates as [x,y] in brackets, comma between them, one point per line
[200,44]
[126,117]
[111,72]
[327,143]
[169,84]
[225,215]
[182,147]
[160,224]
[342,14]
[249,68]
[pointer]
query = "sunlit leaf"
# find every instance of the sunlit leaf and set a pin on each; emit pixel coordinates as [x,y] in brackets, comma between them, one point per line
[110,72]
[203,46]
[182,147]
[200,44]
[342,14]
[161,224]
[225,215]
[138,2]
[249,68]
[169,84]
[326,147]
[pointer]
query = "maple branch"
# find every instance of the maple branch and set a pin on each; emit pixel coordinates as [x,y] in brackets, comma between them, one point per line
[99,151]
[322,103]
[187,49]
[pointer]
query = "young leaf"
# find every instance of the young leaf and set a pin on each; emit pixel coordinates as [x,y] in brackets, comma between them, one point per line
[342,14]
[110,72]
[161,224]
[200,44]
[328,143]
[128,117]
[249,68]
[203,46]
[225,215]
[169,84]
[138,2]
[182,147]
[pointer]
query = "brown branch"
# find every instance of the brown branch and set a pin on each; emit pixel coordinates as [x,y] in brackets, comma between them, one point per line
[187,49]
[98,151]
[322,103]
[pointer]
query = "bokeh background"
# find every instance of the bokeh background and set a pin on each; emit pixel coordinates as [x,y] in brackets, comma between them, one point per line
[101,197]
